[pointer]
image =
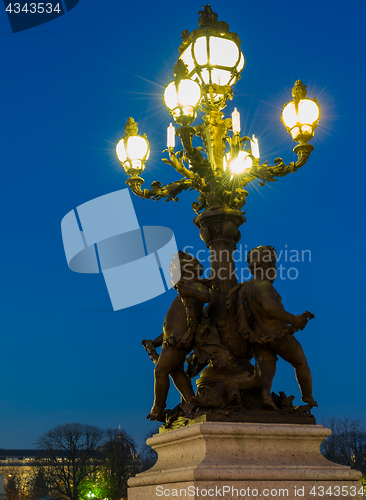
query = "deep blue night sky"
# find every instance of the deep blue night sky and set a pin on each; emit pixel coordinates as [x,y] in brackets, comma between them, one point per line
[67,88]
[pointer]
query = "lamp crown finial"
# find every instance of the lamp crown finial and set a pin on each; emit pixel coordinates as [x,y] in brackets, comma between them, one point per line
[207,16]
[299,91]
[180,70]
[131,127]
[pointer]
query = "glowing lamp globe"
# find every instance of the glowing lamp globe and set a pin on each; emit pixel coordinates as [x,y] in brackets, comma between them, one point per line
[214,60]
[212,55]
[132,150]
[301,116]
[181,98]
[239,165]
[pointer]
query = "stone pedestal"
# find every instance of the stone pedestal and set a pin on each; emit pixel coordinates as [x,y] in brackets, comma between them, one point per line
[224,460]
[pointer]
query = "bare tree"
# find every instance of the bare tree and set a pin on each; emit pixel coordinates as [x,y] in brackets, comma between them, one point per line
[119,463]
[347,443]
[69,455]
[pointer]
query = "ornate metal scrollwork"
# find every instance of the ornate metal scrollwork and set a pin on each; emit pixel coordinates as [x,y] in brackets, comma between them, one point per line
[217,188]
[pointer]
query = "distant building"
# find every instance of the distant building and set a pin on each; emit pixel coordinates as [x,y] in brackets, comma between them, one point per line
[122,442]
[19,463]
[24,464]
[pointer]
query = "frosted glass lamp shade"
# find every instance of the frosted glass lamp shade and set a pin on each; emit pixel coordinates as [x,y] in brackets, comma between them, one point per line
[133,152]
[301,117]
[182,99]
[214,60]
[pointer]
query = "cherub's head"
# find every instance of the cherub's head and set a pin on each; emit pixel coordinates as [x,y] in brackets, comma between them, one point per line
[184,265]
[262,262]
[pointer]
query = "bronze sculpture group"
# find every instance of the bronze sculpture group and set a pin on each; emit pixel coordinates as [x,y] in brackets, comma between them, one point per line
[255,324]
[240,322]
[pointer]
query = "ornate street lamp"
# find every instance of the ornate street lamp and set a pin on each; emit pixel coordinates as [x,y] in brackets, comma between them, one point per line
[213,57]
[182,95]
[301,115]
[133,150]
[209,64]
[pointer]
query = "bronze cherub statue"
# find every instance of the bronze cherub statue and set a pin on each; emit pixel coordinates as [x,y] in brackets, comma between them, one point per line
[263,321]
[179,328]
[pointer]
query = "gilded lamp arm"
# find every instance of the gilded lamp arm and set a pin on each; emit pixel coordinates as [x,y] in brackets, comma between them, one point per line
[135,182]
[158,191]
[198,162]
[303,152]
[280,169]
[176,161]
[190,180]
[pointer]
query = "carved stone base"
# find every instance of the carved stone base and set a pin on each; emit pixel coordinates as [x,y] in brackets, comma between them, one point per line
[222,460]
[252,416]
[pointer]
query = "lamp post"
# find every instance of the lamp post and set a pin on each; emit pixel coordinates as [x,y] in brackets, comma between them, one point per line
[209,64]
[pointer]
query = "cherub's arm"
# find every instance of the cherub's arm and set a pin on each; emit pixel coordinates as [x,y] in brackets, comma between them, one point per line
[150,347]
[158,341]
[196,290]
[275,309]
